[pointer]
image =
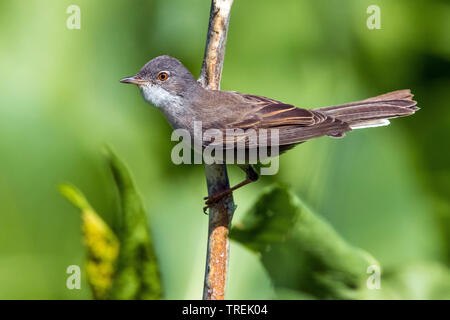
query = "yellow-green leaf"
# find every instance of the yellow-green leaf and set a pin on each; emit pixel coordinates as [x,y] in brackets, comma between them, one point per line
[101,244]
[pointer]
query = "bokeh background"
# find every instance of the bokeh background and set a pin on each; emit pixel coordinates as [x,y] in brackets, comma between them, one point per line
[386,190]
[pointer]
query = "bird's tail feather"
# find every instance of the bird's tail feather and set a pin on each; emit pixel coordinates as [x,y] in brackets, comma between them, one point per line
[374,112]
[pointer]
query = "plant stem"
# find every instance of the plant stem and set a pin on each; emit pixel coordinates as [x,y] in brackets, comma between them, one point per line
[221,214]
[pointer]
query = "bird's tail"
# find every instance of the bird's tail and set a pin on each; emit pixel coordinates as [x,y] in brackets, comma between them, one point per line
[374,112]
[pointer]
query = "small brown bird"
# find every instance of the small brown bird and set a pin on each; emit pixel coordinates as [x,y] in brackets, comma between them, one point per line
[169,86]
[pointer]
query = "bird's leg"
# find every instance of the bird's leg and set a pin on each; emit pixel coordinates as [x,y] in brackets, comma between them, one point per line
[251,176]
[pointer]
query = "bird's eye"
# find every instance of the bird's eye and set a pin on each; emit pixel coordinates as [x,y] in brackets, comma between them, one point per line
[163,76]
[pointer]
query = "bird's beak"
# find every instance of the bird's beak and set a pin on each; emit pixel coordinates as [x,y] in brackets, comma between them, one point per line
[134,80]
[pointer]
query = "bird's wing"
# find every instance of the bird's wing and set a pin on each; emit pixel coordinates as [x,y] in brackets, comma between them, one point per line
[294,124]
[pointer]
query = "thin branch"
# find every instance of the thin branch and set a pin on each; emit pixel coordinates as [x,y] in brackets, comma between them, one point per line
[221,214]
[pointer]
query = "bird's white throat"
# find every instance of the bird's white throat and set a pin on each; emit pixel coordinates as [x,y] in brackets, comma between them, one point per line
[169,103]
[159,97]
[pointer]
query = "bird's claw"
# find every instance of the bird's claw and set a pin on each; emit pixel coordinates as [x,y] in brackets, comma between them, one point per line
[211,200]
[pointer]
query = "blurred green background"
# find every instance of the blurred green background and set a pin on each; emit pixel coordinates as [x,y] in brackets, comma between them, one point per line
[386,190]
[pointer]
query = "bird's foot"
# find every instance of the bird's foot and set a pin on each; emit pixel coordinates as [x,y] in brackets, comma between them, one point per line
[213,199]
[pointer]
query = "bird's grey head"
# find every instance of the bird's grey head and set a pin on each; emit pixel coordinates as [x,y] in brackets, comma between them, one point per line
[164,82]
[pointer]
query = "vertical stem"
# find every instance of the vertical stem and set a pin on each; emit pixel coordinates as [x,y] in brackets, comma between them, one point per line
[221,213]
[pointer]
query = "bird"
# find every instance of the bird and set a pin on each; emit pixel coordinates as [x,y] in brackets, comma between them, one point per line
[167,84]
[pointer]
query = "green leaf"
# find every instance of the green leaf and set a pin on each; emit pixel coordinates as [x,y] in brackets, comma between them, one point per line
[101,244]
[300,251]
[131,272]
[137,274]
